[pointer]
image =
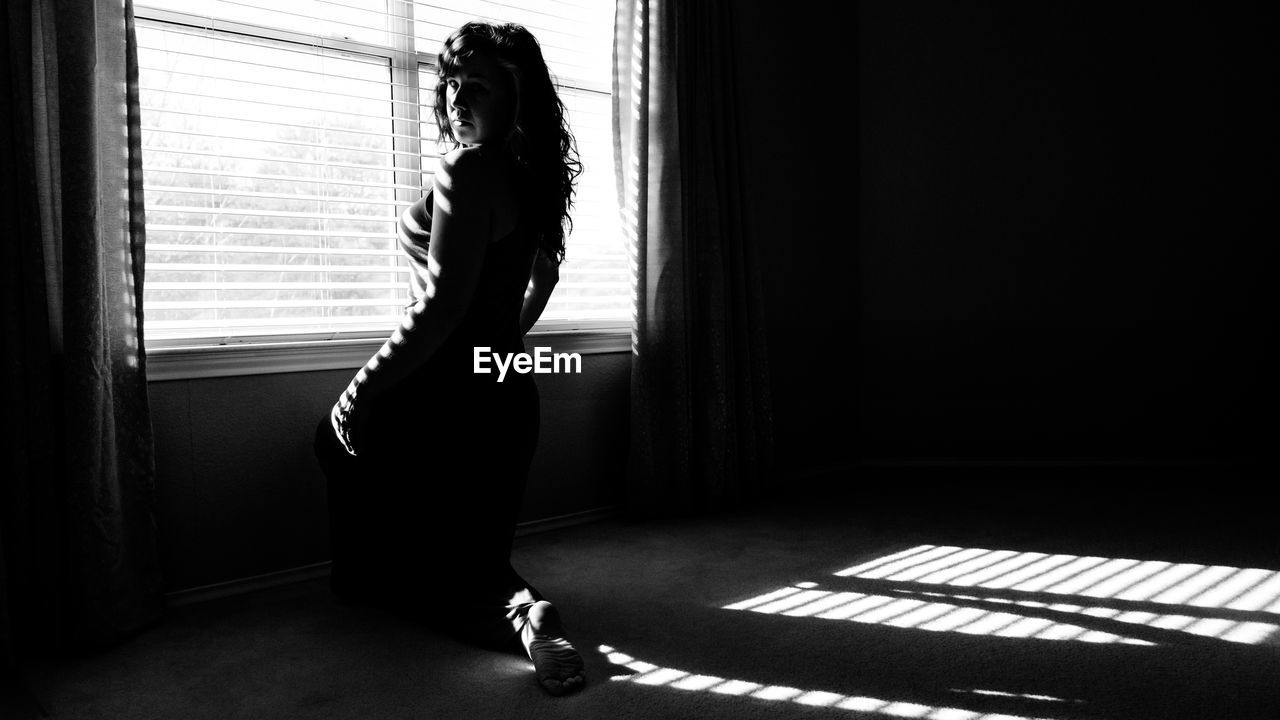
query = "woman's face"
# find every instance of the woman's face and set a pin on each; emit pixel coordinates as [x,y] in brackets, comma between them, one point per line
[479,100]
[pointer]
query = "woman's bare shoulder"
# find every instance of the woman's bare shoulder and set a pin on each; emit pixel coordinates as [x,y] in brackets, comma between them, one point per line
[474,179]
[467,170]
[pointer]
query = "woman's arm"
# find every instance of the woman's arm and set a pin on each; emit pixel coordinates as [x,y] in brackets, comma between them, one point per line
[543,280]
[460,229]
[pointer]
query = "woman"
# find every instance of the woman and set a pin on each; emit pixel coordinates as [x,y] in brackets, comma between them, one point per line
[426,460]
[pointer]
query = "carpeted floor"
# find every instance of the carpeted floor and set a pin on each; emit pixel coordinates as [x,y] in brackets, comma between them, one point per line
[744,616]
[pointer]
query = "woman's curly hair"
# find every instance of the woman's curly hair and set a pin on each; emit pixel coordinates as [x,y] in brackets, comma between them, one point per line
[539,138]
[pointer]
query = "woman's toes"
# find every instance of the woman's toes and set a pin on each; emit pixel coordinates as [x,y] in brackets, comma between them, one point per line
[557,664]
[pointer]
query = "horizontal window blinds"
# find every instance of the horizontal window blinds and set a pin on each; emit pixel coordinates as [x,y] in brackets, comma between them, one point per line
[281,141]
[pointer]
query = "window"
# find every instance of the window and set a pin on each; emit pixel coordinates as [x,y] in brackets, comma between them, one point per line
[281,145]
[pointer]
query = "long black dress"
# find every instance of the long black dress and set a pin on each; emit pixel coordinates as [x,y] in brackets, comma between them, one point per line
[423,519]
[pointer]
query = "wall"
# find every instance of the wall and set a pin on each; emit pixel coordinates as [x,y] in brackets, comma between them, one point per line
[240,493]
[800,169]
[1012,232]
[1066,215]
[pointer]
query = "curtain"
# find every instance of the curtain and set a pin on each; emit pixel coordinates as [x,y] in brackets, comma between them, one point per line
[78,555]
[701,417]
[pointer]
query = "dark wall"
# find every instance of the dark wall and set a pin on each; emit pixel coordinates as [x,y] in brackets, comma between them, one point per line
[799,139]
[1064,231]
[240,493]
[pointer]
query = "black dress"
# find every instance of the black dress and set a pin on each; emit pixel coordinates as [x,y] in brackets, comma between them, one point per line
[423,519]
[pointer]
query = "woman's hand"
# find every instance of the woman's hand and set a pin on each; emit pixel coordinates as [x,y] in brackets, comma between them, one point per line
[348,418]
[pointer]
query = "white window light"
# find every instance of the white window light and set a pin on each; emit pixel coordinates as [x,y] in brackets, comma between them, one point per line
[282,141]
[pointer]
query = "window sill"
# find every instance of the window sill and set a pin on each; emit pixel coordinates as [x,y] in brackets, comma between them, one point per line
[187,363]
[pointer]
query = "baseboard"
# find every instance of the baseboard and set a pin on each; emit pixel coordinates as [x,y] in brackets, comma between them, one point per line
[853,474]
[805,475]
[1054,462]
[240,586]
[533,527]
[792,476]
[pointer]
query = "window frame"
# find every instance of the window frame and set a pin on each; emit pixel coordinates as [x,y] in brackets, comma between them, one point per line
[177,358]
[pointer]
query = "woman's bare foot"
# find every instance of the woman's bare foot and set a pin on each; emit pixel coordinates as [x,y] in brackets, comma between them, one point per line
[556,663]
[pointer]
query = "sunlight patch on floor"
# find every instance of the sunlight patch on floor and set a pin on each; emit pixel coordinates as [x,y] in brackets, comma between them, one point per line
[644,673]
[979,592]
